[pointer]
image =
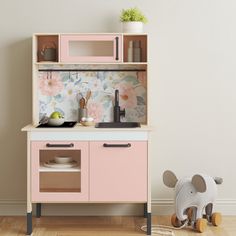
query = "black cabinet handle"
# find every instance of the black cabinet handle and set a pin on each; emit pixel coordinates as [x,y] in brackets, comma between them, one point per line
[60,145]
[117,48]
[116,145]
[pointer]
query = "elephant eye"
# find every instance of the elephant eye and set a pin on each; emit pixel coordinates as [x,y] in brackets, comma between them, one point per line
[191,191]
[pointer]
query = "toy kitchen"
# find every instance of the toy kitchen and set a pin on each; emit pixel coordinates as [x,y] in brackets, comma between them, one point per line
[88,141]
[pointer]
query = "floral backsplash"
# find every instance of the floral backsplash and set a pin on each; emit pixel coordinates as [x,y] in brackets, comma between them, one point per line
[61,91]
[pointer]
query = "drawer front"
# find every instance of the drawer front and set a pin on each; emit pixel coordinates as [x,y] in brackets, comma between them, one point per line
[91,48]
[118,171]
[50,184]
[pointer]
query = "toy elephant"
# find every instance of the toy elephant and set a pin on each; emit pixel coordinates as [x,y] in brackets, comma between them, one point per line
[193,196]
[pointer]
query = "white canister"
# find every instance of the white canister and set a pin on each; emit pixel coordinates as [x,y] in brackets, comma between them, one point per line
[130,51]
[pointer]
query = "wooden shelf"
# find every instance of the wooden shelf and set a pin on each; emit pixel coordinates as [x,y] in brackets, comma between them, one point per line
[91,63]
[62,190]
[48,63]
[48,169]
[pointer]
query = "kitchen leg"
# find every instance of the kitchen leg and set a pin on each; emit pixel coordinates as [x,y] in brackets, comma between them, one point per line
[149,224]
[38,210]
[145,210]
[29,223]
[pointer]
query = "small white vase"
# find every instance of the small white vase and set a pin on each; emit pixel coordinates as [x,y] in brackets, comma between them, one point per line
[133,27]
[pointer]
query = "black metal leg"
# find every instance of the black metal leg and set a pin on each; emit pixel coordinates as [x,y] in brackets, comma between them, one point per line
[29,223]
[145,210]
[38,210]
[149,224]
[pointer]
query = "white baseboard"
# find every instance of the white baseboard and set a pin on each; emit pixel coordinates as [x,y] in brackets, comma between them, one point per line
[12,207]
[166,206]
[18,208]
[159,207]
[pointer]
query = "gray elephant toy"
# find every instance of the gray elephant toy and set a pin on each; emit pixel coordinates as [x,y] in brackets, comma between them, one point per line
[193,195]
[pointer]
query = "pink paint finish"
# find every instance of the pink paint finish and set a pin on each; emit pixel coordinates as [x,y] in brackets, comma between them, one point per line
[64,45]
[118,174]
[38,196]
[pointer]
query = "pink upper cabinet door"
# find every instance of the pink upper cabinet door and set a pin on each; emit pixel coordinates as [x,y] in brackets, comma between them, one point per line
[118,171]
[91,48]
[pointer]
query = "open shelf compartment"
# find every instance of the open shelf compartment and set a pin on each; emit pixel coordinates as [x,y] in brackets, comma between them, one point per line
[136,41]
[47,48]
[59,179]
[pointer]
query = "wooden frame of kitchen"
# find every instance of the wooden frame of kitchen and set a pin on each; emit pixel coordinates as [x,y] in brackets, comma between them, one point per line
[113,163]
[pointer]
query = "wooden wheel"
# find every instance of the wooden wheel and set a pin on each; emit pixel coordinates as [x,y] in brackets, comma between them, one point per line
[216,219]
[201,225]
[175,221]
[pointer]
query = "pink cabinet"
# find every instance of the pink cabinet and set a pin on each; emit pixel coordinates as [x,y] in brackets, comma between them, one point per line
[90,48]
[118,171]
[102,171]
[50,184]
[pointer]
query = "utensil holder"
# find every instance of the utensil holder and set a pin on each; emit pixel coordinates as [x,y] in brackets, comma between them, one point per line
[82,113]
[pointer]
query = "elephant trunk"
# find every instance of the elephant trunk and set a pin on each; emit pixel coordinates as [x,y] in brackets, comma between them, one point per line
[180,212]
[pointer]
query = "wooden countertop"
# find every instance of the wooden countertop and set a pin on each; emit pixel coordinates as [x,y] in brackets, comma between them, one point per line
[80,128]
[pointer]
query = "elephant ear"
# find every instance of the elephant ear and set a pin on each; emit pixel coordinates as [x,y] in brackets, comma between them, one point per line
[169,179]
[199,183]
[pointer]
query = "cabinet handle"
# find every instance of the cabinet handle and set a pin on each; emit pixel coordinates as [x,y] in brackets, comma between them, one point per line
[117,145]
[60,145]
[117,48]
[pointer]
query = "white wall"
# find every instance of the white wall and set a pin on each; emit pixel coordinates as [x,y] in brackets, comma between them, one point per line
[192,86]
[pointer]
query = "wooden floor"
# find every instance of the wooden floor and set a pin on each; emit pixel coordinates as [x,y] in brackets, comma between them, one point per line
[102,226]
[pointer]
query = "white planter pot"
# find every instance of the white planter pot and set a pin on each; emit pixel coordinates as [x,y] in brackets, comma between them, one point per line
[133,27]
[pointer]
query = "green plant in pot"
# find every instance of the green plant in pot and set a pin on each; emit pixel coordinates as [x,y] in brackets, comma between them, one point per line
[133,20]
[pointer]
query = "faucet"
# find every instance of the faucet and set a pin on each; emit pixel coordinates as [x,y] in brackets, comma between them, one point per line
[117,111]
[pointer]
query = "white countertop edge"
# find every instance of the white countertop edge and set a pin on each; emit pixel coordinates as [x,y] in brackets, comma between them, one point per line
[80,128]
[89,136]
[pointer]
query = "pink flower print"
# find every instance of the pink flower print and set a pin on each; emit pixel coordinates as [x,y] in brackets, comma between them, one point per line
[95,110]
[95,84]
[142,79]
[71,90]
[50,86]
[127,94]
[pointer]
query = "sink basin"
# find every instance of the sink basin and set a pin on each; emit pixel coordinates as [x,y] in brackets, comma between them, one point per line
[117,125]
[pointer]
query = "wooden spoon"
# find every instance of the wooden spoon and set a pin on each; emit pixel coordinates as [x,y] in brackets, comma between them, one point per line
[88,95]
[82,103]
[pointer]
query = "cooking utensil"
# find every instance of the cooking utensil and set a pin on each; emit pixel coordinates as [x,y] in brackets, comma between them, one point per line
[82,103]
[44,120]
[88,95]
[49,52]
[82,113]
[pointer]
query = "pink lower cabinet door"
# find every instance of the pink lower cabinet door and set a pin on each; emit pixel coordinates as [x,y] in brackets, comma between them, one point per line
[118,171]
[59,171]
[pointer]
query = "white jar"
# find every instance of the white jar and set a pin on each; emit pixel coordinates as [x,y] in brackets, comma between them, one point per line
[130,51]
